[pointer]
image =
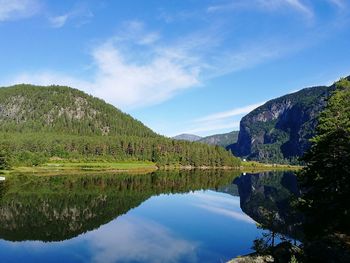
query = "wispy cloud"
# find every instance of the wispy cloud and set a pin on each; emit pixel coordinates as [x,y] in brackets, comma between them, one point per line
[339,3]
[138,66]
[219,121]
[264,5]
[58,21]
[230,113]
[221,204]
[227,212]
[127,75]
[142,241]
[80,14]
[299,6]
[18,9]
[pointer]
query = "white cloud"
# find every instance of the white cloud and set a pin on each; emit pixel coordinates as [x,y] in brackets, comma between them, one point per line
[137,67]
[130,239]
[339,3]
[222,204]
[79,14]
[299,6]
[17,9]
[129,84]
[230,113]
[58,21]
[220,121]
[267,5]
[227,212]
[123,78]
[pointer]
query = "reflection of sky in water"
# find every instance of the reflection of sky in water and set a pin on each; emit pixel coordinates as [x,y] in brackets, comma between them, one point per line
[203,226]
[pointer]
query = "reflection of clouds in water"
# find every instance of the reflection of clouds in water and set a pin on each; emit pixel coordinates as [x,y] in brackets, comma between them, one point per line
[227,212]
[132,239]
[222,204]
[217,198]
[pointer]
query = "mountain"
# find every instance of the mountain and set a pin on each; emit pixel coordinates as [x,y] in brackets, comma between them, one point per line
[187,137]
[223,140]
[280,130]
[38,124]
[27,108]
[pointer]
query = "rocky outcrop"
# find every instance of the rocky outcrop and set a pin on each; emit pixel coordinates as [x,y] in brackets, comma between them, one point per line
[280,130]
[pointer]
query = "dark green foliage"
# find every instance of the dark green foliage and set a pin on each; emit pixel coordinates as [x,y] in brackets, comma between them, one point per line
[39,123]
[326,178]
[27,108]
[3,161]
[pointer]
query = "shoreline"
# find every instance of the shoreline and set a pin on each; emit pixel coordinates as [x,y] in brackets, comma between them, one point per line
[134,167]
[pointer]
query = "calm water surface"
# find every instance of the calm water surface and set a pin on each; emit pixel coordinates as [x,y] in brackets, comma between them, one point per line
[159,217]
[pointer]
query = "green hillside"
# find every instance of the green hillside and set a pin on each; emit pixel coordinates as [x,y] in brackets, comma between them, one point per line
[27,108]
[39,124]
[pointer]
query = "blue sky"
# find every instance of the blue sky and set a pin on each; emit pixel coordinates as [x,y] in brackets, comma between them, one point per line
[178,66]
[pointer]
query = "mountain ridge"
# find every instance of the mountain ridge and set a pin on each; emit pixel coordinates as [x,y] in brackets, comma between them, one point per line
[221,139]
[280,130]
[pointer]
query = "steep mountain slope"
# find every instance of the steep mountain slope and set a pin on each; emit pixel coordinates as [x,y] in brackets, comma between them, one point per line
[223,140]
[187,137]
[280,130]
[42,123]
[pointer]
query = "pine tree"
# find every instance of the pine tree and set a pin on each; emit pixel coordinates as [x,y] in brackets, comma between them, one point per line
[326,178]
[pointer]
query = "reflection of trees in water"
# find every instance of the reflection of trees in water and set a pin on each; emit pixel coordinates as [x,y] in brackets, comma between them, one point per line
[267,197]
[52,208]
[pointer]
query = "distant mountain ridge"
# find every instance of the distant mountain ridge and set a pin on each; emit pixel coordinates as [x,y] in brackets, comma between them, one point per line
[223,140]
[280,130]
[187,137]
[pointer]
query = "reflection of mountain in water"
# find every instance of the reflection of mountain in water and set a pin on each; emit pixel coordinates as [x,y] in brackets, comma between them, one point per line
[61,207]
[266,197]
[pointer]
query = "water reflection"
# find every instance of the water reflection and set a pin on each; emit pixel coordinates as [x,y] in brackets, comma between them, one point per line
[143,241]
[187,216]
[61,207]
[267,197]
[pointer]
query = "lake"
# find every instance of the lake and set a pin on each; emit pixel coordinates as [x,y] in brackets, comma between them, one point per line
[174,216]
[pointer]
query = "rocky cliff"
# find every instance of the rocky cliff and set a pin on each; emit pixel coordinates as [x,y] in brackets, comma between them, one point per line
[280,130]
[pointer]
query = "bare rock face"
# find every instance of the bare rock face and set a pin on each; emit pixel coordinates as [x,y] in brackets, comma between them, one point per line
[280,130]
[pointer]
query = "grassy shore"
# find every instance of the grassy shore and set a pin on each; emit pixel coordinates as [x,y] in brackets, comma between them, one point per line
[55,168]
[255,167]
[80,167]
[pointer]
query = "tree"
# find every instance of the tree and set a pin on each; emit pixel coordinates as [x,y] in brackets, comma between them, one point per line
[3,162]
[326,178]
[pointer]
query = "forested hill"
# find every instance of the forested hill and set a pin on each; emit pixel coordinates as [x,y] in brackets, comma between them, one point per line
[280,130]
[39,124]
[27,108]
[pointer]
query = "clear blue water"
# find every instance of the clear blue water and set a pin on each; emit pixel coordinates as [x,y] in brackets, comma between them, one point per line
[193,226]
